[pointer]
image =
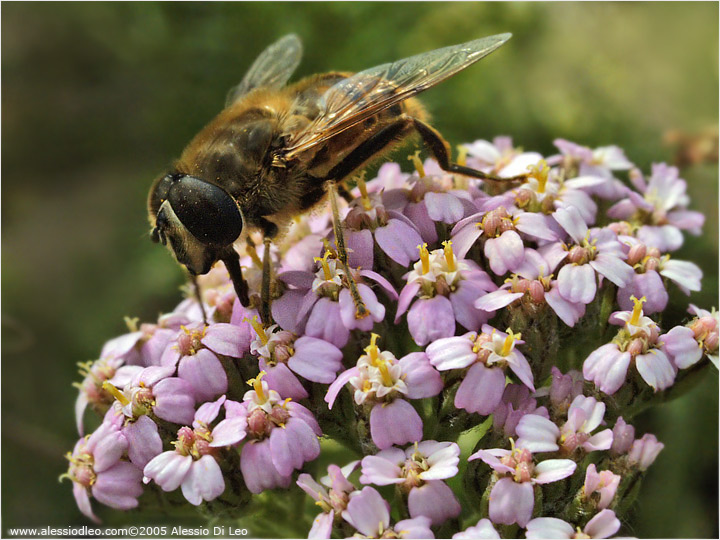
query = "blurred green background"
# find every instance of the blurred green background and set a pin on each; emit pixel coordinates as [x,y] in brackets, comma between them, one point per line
[97,98]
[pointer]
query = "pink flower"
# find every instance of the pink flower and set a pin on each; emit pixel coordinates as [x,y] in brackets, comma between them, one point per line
[282,355]
[543,194]
[660,208]
[499,157]
[435,196]
[638,341]
[141,434]
[192,466]
[512,497]
[280,436]
[92,392]
[650,267]
[380,380]
[488,355]
[144,345]
[418,471]
[605,483]
[368,222]
[332,495]
[686,345]
[369,514]
[538,434]
[623,437]
[603,525]
[530,289]
[327,311]
[644,451]
[499,231]
[515,404]
[196,351]
[594,251]
[97,469]
[597,163]
[564,389]
[442,290]
[152,390]
[483,529]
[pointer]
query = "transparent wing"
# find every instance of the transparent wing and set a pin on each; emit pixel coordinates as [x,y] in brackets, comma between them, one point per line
[369,92]
[271,69]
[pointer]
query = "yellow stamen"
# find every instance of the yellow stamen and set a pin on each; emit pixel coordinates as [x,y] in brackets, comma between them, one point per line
[449,256]
[540,172]
[509,343]
[425,258]
[476,345]
[256,383]
[385,373]
[462,155]
[324,263]
[364,197]
[372,349]
[132,324]
[259,330]
[415,158]
[117,394]
[637,311]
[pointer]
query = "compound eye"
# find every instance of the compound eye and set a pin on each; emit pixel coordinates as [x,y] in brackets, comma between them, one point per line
[209,212]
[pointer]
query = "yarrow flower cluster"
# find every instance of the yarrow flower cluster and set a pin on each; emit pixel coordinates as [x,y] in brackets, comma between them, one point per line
[511,332]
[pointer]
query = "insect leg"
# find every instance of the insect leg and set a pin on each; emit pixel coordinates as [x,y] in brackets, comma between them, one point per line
[439,149]
[198,296]
[265,299]
[231,258]
[360,309]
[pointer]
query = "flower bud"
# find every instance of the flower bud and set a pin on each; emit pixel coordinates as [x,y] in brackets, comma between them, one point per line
[282,353]
[506,225]
[523,472]
[524,197]
[652,264]
[637,253]
[441,286]
[279,415]
[636,347]
[382,215]
[711,342]
[537,292]
[354,219]
[654,253]
[547,206]
[521,285]
[702,326]
[83,474]
[185,439]
[621,228]
[578,255]
[257,423]
[644,451]
[623,437]
[604,482]
[491,224]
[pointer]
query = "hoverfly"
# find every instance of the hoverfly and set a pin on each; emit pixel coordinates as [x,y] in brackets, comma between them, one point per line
[276,150]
